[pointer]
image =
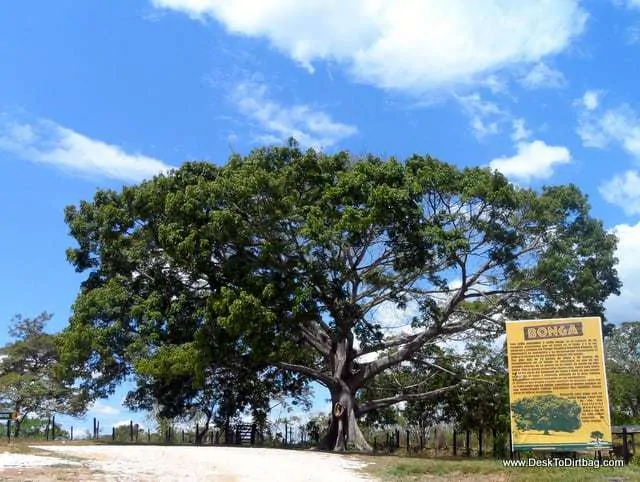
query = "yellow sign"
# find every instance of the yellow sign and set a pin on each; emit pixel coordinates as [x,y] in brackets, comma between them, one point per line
[557,385]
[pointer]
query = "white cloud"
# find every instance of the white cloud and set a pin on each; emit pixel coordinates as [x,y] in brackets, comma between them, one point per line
[404,45]
[626,307]
[103,409]
[520,132]
[495,84]
[633,35]
[46,142]
[393,319]
[534,160]
[615,126]
[591,99]
[485,116]
[311,128]
[629,3]
[541,76]
[623,190]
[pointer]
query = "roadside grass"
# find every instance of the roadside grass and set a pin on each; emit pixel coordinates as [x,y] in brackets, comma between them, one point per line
[405,469]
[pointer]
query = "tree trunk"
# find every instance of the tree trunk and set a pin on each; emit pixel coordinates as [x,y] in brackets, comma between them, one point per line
[200,434]
[17,423]
[344,433]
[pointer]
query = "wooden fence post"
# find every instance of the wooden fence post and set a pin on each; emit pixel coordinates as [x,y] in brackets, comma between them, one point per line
[468,443]
[625,446]
[494,443]
[113,434]
[435,440]
[455,445]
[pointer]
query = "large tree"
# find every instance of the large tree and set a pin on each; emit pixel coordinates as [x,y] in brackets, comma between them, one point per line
[622,348]
[546,413]
[291,253]
[28,382]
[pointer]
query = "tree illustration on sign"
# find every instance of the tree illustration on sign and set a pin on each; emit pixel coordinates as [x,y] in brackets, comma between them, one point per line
[597,436]
[548,413]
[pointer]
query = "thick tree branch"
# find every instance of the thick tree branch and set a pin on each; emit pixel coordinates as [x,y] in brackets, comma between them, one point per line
[371,369]
[316,339]
[407,397]
[385,345]
[316,375]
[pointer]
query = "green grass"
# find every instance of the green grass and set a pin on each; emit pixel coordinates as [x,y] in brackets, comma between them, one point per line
[404,469]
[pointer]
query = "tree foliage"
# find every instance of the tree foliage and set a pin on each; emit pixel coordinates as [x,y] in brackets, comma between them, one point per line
[283,256]
[28,384]
[622,349]
[481,404]
[547,412]
[33,427]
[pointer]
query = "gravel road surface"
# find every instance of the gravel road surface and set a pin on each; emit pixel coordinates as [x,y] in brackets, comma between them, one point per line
[167,464]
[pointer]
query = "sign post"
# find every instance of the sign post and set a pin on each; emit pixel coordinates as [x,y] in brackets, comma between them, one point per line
[557,385]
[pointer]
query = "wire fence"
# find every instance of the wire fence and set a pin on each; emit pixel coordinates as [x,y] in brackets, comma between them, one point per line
[435,441]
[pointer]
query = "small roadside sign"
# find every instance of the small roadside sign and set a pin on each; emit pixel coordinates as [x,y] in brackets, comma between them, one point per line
[7,416]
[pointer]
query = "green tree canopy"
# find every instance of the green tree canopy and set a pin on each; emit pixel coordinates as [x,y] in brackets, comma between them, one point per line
[622,349]
[482,403]
[289,253]
[547,412]
[28,384]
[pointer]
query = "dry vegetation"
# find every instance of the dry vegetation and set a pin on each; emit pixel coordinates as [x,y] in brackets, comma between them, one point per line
[405,469]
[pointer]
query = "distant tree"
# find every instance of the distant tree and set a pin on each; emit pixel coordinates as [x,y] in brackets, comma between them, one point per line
[316,427]
[622,348]
[35,427]
[432,367]
[28,382]
[292,251]
[547,412]
[480,404]
[485,402]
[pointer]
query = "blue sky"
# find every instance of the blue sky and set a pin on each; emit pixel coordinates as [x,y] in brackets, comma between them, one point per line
[99,94]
